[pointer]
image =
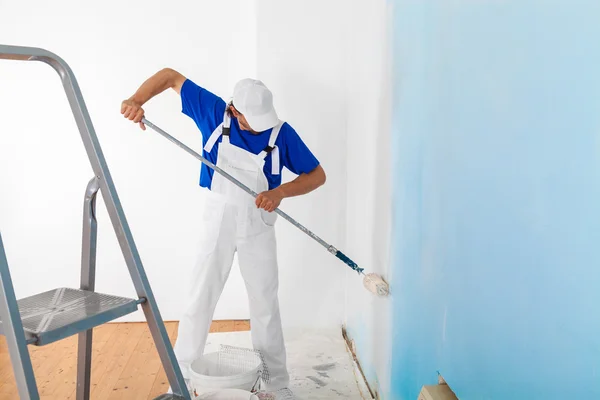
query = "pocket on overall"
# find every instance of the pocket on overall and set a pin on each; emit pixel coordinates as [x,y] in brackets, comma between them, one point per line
[268,218]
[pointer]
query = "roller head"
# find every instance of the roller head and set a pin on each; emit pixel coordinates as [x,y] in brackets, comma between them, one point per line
[375,284]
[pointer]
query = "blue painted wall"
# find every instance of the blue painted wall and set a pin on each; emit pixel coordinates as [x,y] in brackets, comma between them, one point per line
[496,135]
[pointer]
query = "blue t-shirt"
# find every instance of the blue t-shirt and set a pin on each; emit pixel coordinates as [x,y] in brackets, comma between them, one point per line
[207,110]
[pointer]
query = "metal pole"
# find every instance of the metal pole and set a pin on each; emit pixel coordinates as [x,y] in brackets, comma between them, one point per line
[238,184]
[330,248]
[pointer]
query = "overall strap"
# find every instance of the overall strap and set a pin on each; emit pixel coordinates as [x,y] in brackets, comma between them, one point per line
[223,129]
[272,149]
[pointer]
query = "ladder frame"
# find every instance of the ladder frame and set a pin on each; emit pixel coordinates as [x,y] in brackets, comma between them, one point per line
[9,312]
[88,282]
[12,328]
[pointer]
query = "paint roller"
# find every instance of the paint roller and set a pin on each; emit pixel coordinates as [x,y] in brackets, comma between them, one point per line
[372,282]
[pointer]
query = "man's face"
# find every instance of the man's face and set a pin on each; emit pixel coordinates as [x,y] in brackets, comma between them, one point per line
[241,119]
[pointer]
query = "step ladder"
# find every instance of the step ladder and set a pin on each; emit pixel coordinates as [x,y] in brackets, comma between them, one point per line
[54,315]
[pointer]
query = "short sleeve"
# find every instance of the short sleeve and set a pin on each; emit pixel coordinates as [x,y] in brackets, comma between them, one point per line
[296,156]
[204,107]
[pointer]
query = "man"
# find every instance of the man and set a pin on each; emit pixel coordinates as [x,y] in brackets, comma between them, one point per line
[246,138]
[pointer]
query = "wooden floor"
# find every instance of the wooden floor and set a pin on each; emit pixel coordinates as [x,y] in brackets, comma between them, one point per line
[125,364]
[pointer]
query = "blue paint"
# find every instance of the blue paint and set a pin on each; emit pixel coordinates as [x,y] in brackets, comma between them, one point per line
[496,278]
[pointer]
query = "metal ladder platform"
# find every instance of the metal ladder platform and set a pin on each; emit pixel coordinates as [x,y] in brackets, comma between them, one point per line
[47,317]
[57,314]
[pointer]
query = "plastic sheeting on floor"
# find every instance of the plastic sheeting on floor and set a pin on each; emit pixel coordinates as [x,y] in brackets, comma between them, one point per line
[320,366]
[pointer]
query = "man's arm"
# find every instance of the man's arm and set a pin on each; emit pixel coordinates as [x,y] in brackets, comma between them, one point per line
[156,84]
[303,184]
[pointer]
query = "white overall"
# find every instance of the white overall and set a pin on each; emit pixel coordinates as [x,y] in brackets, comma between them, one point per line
[232,222]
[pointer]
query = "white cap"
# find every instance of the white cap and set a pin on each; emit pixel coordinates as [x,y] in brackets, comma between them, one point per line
[252,98]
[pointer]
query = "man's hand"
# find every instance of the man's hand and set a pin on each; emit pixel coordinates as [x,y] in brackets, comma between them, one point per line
[164,79]
[269,200]
[133,111]
[303,184]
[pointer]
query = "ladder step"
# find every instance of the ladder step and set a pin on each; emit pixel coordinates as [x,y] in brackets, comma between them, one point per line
[57,314]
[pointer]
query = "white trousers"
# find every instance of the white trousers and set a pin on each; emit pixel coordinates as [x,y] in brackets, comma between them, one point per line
[227,228]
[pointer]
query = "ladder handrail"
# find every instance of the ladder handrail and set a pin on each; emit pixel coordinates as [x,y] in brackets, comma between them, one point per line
[113,204]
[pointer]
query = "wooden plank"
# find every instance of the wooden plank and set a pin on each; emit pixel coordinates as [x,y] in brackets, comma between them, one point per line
[121,389]
[48,360]
[7,381]
[241,326]
[50,364]
[137,379]
[55,365]
[222,326]
[101,336]
[125,363]
[117,359]
[49,369]
[8,392]
[101,359]
[161,384]
[8,387]
[6,372]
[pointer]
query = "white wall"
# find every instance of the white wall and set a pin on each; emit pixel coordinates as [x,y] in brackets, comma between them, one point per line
[368,96]
[112,47]
[329,65]
[301,58]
